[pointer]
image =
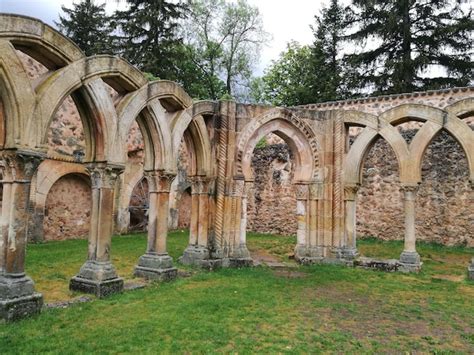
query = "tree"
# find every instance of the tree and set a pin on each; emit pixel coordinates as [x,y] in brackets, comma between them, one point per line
[412,38]
[289,80]
[88,26]
[227,37]
[330,75]
[309,74]
[148,36]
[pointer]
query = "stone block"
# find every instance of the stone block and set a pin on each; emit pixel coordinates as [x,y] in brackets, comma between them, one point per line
[156,267]
[152,274]
[99,288]
[470,271]
[21,307]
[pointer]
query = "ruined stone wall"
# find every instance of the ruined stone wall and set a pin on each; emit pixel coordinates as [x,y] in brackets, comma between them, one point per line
[67,211]
[271,199]
[445,200]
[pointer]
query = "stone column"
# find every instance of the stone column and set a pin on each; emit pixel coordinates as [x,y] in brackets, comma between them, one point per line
[302,235]
[470,270]
[18,298]
[239,254]
[410,259]
[98,275]
[156,264]
[197,251]
[349,248]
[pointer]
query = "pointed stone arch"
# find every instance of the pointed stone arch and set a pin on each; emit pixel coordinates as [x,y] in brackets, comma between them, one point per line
[298,135]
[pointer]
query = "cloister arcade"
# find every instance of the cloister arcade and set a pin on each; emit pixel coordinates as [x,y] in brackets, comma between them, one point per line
[219,136]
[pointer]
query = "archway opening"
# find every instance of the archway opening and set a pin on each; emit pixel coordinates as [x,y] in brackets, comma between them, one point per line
[63,219]
[380,211]
[444,200]
[271,201]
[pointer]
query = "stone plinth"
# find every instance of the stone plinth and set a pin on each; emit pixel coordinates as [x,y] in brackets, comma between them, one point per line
[97,278]
[409,262]
[156,267]
[470,270]
[18,298]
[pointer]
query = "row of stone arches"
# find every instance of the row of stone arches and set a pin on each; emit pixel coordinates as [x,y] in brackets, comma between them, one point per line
[163,111]
[409,157]
[111,96]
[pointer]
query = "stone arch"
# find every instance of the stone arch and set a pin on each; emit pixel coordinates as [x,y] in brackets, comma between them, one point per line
[297,134]
[52,91]
[48,173]
[461,108]
[193,130]
[17,95]
[435,119]
[39,40]
[158,101]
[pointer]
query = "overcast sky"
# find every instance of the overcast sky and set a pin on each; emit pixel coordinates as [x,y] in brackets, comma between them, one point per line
[285,20]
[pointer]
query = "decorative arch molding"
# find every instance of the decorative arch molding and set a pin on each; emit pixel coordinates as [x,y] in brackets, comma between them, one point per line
[461,108]
[409,156]
[39,41]
[158,101]
[16,92]
[298,135]
[191,122]
[85,73]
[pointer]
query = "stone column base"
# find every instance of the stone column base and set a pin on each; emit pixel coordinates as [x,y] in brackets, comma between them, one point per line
[240,257]
[18,298]
[238,262]
[99,288]
[470,271]
[97,278]
[349,253]
[195,255]
[156,267]
[409,262]
[308,255]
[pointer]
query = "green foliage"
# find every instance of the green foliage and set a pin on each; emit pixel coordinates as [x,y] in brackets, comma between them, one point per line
[262,143]
[322,308]
[227,96]
[290,79]
[309,74]
[88,26]
[148,36]
[226,38]
[412,38]
[150,76]
[328,67]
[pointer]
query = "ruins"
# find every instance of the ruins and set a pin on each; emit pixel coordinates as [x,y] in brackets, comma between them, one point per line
[115,103]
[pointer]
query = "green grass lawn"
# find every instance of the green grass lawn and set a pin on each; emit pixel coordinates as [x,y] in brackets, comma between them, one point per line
[306,309]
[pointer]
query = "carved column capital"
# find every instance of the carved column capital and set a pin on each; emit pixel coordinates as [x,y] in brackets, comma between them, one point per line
[237,188]
[200,185]
[409,190]
[316,191]
[103,176]
[350,192]
[301,191]
[19,165]
[159,180]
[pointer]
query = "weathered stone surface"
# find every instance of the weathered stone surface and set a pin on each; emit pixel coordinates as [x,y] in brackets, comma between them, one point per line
[315,186]
[100,289]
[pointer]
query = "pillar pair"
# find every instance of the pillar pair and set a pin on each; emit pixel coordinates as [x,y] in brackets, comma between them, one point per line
[237,222]
[310,245]
[98,275]
[17,294]
[197,251]
[156,264]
